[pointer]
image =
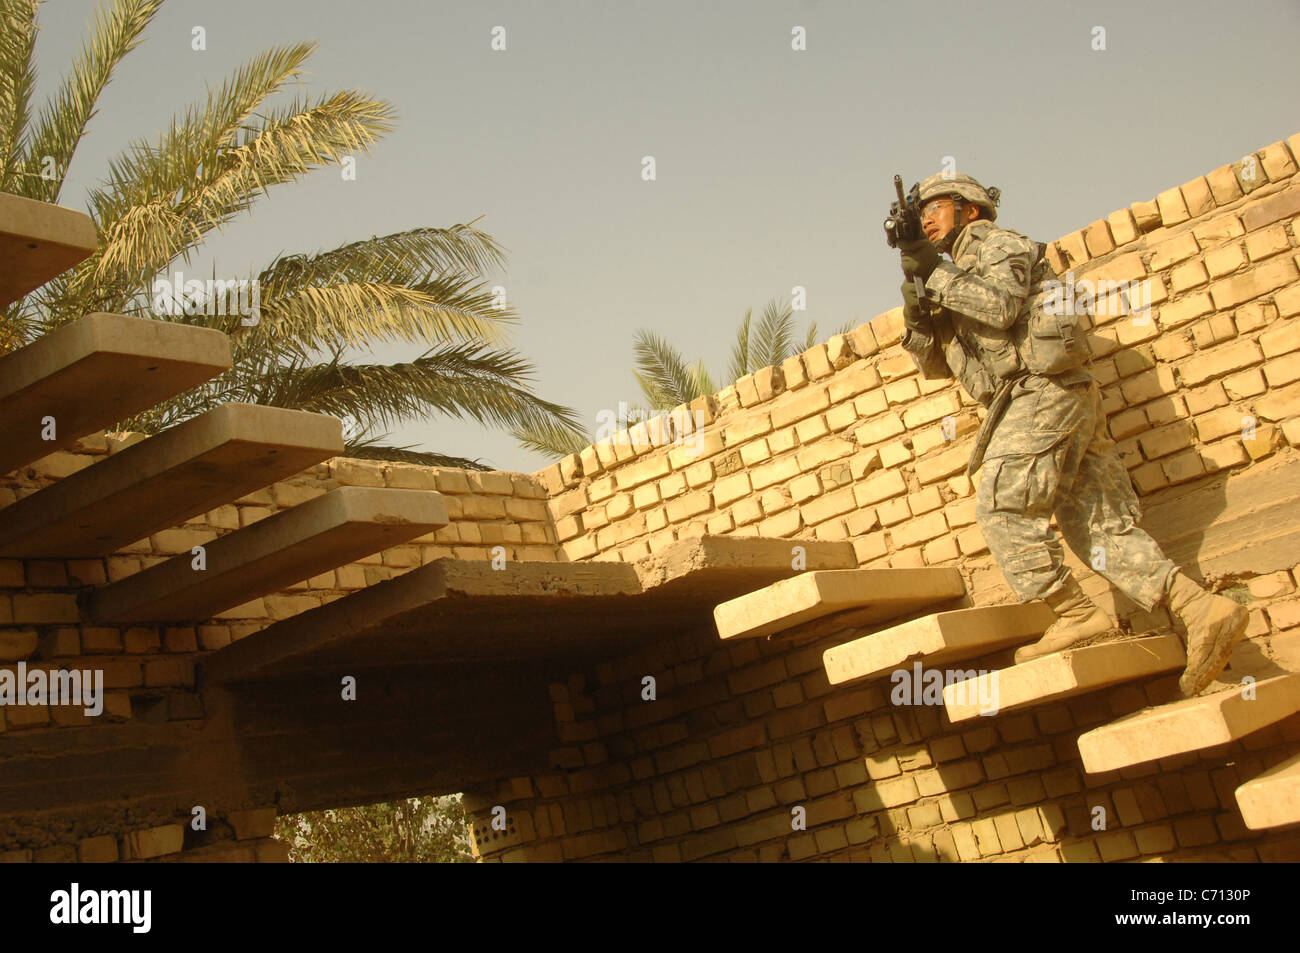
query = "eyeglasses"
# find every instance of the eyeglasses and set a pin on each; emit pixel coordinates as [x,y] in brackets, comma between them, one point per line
[930,208]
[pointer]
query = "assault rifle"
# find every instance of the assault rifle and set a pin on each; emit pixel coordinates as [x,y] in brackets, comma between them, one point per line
[904,225]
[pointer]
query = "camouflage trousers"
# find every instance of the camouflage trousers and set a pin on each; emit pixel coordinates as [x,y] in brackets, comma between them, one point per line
[1050,454]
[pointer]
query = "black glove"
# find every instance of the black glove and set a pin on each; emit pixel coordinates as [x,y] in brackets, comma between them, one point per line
[919,258]
[912,315]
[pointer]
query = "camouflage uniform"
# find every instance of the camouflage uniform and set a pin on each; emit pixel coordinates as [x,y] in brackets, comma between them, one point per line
[1049,452]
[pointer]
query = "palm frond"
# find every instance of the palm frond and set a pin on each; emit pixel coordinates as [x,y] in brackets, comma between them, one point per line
[374,449]
[413,255]
[63,121]
[662,373]
[551,439]
[701,382]
[283,150]
[17,80]
[775,335]
[359,313]
[186,159]
[740,351]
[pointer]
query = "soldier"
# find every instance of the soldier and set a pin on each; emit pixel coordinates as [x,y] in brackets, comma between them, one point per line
[1043,443]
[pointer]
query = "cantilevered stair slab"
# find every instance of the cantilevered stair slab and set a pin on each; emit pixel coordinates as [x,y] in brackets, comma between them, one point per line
[874,594]
[1190,725]
[940,637]
[455,610]
[1062,675]
[39,240]
[1273,798]
[194,467]
[719,567]
[93,372]
[314,537]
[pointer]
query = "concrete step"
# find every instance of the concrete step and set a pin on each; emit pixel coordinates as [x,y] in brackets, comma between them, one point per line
[315,537]
[936,638]
[872,595]
[38,241]
[1273,798]
[475,611]
[1062,675]
[92,373]
[192,468]
[1190,725]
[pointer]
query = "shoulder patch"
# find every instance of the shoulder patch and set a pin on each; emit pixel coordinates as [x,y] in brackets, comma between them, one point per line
[1003,244]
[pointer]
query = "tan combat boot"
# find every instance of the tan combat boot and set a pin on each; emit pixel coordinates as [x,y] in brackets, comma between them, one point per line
[1078,618]
[1214,625]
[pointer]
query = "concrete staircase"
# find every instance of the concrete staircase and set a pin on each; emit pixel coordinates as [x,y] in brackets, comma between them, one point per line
[93,372]
[1273,798]
[937,638]
[856,603]
[101,368]
[841,598]
[312,538]
[1192,724]
[456,610]
[1065,674]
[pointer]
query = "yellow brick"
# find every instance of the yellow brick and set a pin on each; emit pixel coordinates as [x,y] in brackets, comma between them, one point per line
[829,505]
[931,410]
[972,541]
[882,486]
[1098,239]
[1074,248]
[877,430]
[1278,371]
[1146,214]
[1220,361]
[1173,209]
[1277,161]
[1281,340]
[940,550]
[803,404]
[1123,228]
[1266,242]
[1223,185]
[1217,230]
[1197,196]
[154,842]
[805,487]
[1173,250]
[730,488]
[920,529]
[1186,308]
[1288,301]
[1221,261]
[792,370]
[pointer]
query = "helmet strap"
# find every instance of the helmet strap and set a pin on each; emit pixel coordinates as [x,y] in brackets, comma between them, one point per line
[945,243]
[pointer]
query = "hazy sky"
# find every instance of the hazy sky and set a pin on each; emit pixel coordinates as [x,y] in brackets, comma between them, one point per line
[774,167]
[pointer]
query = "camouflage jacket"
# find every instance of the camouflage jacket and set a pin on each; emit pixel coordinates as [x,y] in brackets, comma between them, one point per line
[982,294]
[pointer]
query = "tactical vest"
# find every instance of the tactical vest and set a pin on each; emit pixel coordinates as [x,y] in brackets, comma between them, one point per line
[1048,339]
[1040,340]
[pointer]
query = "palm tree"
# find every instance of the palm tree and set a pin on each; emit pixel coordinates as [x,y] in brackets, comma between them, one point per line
[667,381]
[162,197]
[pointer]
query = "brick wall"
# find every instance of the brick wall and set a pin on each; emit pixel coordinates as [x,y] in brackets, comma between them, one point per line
[842,442]
[149,669]
[847,441]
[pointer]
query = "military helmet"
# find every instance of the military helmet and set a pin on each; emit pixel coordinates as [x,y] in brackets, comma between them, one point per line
[963,186]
